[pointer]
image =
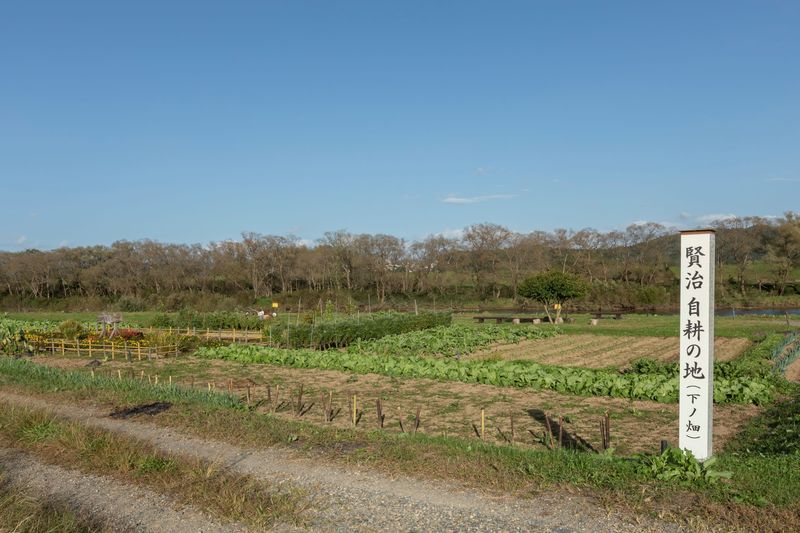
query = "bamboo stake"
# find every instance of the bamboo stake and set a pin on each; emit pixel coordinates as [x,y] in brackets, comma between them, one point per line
[119,374]
[483,425]
[354,409]
[170,381]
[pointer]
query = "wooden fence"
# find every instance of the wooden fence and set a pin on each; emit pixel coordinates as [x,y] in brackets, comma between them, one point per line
[126,350]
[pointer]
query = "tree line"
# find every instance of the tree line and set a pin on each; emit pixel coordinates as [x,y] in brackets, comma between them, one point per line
[487,262]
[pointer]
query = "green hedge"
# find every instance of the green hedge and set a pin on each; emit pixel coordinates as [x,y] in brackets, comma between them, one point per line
[345,331]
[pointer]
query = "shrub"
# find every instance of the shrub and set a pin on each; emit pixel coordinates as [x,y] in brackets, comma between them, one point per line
[345,331]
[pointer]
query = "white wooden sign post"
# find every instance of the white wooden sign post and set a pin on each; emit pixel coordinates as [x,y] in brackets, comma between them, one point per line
[697,343]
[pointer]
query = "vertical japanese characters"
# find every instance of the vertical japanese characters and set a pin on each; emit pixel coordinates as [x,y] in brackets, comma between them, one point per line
[697,343]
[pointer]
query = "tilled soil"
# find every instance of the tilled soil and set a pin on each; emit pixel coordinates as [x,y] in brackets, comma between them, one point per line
[356,500]
[447,408]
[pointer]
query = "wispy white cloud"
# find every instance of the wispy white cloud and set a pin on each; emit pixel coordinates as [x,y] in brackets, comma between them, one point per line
[717,217]
[21,239]
[795,180]
[451,233]
[453,199]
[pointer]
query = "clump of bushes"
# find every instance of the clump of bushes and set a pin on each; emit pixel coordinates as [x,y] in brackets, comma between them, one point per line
[341,332]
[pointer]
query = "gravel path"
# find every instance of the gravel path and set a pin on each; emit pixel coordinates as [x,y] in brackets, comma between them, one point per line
[115,505]
[356,500]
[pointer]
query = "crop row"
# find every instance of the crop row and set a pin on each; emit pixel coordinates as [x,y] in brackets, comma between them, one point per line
[450,341]
[525,374]
[756,362]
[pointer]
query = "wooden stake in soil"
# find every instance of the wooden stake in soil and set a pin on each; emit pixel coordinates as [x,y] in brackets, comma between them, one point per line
[560,431]
[156,379]
[119,374]
[483,424]
[550,441]
[92,373]
[417,420]
[379,411]
[248,395]
[170,381]
[355,407]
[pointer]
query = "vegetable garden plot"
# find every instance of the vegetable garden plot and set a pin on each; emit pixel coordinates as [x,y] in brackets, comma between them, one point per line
[446,408]
[598,351]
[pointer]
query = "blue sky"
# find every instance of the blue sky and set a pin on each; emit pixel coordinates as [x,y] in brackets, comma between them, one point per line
[194,121]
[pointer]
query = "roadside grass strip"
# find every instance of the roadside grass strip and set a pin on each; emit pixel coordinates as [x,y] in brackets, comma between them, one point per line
[192,482]
[763,492]
[22,512]
[658,387]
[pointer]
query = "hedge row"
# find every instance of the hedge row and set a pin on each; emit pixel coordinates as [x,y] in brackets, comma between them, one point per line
[345,331]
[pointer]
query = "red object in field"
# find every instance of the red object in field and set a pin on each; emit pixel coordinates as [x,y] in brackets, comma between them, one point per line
[131,334]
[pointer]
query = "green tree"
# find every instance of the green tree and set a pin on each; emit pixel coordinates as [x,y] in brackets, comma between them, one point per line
[553,289]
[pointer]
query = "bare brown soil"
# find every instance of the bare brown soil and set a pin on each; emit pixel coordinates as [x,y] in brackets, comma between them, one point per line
[599,351]
[447,408]
[793,371]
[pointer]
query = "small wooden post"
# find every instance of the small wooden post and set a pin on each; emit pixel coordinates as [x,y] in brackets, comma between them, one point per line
[209,386]
[141,376]
[248,395]
[483,424]
[355,406]
[112,350]
[90,348]
[63,349]
[52,347]
[119,374]
[234,334]
[139,351]
[170,381]
[93,373]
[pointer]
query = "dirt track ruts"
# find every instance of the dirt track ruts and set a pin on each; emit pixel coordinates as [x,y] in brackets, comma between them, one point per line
[356,500]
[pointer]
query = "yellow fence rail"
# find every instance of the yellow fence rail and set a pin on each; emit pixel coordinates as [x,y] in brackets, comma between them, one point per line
[128,350]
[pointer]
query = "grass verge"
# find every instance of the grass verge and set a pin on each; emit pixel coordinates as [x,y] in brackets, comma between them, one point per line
[21,512]
[200,484]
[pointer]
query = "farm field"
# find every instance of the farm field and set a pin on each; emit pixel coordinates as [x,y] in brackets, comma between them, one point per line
[467,424]
[446,408]
[602,351]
